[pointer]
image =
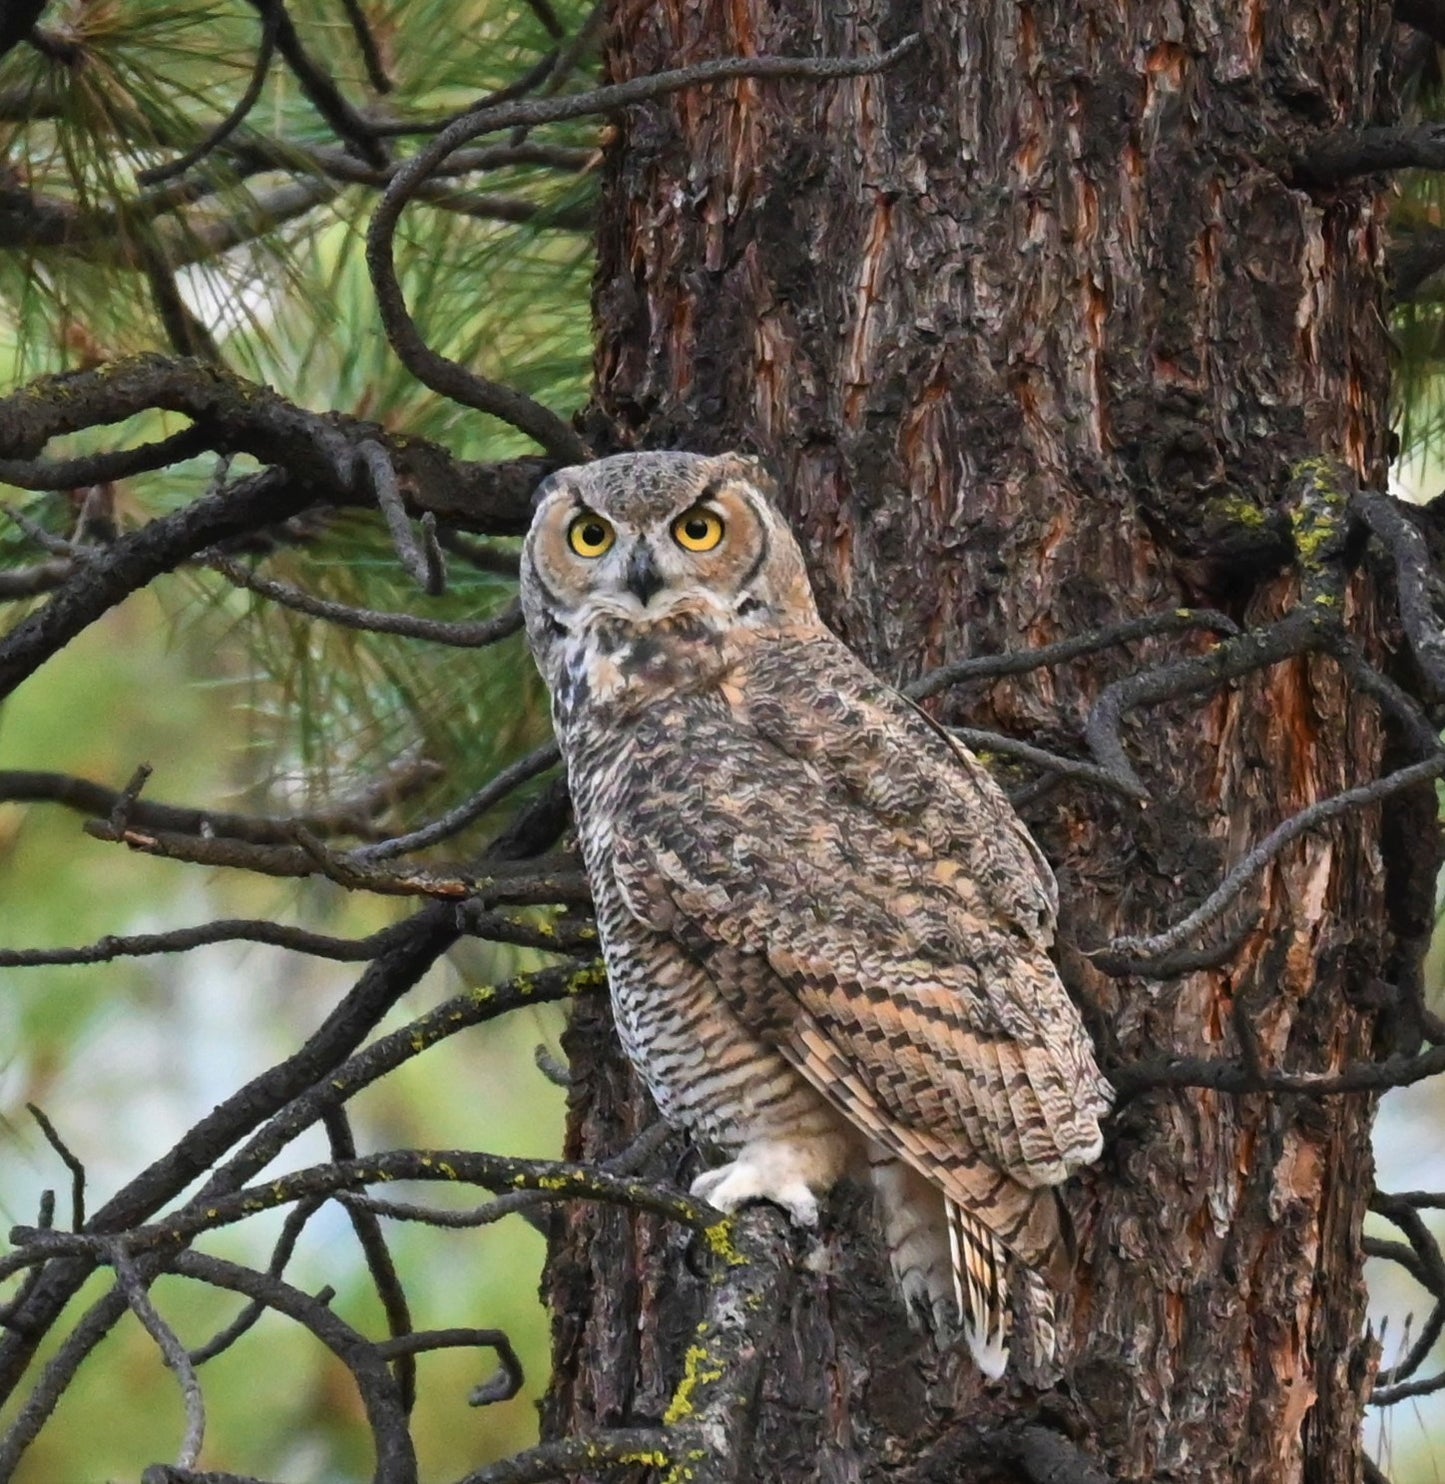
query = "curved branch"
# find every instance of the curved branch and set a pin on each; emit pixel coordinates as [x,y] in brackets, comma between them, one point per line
[385,1413]
[1414,575]
[130,1283]
[271,16]
[1245,869]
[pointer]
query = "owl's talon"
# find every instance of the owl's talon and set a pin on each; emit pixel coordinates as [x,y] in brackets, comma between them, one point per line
[762,1172]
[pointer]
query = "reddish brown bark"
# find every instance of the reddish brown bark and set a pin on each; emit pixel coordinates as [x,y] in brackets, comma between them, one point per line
[1032,328]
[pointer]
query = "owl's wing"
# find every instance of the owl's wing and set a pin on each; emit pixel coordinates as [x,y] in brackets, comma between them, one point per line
[864,900]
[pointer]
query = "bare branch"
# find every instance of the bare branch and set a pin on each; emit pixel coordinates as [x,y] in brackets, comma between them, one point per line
[71,1163]
[623,1447]
[1254,650]
[556,1072]
[1339,157]
[1414,258]
[256,153]
[100,468]
[379,1262]
[366,45]
[521,1202]
[385,1415]
[429,574]
[1228,1076]
[542,9]
[1428,1268]
[1020,661]
[1038,757]
[356,817]
[33,581]
[461,635]
[469,810]
[493,926]
[429,933]
[320,89]
[133,1287]
[1320,524]
[1415,582]
[551,1180]
[509,1379]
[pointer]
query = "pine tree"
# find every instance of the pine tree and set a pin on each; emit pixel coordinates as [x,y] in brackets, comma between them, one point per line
[1066,329]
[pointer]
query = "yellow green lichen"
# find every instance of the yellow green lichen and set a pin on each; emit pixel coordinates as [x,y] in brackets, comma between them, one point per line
[719,1238]
[698,1369]
[544,1182]
[1314,533]
[593,976]
[1325,473]
[1235,510]
[1317,523]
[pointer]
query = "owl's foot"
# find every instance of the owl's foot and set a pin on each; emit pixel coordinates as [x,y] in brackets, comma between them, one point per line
[790,1174]
[916,1236]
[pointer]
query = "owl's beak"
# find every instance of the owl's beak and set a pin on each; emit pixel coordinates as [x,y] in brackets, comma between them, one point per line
[643,580]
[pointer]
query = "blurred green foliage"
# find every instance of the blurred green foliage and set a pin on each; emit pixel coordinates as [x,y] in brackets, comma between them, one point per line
[239,705]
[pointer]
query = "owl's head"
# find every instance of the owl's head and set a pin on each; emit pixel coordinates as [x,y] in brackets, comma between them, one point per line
[648,540]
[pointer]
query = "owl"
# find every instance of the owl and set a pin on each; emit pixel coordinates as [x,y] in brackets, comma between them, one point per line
[825,929]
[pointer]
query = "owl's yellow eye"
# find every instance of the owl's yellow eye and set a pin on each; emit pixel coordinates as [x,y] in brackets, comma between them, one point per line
[590,535]
[697,530]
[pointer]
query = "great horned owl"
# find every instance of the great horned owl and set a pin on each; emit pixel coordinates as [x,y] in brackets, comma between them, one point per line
[825,929]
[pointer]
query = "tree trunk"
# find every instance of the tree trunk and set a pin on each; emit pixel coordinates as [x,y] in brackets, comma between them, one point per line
[1032,328]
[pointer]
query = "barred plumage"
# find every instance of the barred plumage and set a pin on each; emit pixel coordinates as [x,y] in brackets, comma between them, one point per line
[825,928]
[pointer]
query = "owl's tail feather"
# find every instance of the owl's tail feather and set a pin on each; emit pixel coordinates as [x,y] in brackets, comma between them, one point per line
[980,1286]
[956,1273]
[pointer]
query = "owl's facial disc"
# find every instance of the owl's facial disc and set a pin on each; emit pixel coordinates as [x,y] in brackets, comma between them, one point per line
[639,540]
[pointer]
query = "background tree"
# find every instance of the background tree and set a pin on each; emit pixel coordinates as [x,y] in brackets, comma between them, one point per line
[1064,326]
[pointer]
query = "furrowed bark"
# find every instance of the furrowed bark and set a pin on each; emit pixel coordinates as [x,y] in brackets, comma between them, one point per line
[1033,327]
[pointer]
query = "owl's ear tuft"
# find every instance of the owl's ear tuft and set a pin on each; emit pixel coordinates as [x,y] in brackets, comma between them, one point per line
[551,482]
[754,468]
